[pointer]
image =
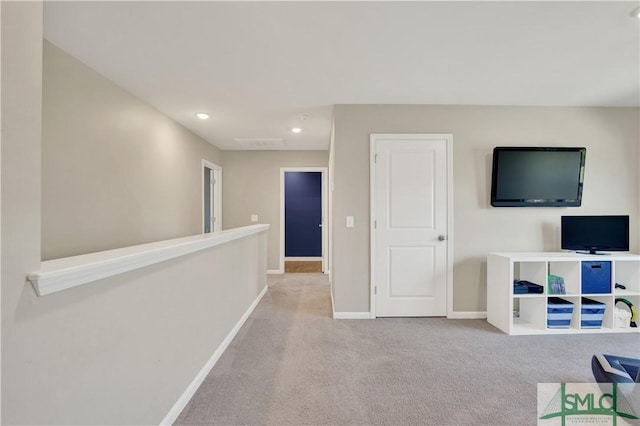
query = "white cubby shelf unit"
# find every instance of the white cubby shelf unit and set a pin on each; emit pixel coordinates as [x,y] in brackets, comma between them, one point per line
[503,268]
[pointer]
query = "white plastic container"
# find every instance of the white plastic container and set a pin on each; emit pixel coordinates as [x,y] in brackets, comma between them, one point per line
[622,318]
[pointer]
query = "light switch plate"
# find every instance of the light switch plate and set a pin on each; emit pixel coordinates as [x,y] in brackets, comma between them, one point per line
[350,222]
[254,218]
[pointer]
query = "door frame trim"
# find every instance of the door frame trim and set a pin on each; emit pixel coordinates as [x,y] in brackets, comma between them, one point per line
[325,216]
[217,194]
[372,203]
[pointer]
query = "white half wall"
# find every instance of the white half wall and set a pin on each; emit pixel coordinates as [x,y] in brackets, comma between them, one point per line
[122,350]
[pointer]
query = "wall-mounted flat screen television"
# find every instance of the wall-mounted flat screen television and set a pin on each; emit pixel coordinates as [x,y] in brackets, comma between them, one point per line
[593,233]
[537,177]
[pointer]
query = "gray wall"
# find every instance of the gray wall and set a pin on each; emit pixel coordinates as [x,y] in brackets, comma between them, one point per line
[251,185]
[611,183]
[115,171]
[21,106]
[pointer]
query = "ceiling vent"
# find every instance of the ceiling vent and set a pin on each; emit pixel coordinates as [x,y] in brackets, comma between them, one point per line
[257,144]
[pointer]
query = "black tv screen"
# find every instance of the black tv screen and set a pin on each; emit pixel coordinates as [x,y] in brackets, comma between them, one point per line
[537,177]
[593,233]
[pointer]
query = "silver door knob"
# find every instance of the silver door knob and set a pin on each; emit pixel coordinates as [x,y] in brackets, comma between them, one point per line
[442,237]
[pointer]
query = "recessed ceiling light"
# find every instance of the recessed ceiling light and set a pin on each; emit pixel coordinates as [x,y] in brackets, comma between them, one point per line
[202,116]
[636,12]
[296,129]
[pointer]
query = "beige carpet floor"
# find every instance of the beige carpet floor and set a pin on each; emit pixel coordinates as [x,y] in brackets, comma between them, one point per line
[291,364]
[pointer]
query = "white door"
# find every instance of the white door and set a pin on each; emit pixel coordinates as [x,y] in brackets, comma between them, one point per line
[411,214]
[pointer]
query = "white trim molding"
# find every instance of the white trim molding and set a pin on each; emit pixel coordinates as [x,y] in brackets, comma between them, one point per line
[467,315]
[333,305]
[352,315]
[61,274]
[274,271]
[325,212]
[346,315]
[302,259]
[182,402]
[217,195]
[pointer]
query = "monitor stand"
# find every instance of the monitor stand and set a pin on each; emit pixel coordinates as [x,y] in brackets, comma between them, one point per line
[593,251]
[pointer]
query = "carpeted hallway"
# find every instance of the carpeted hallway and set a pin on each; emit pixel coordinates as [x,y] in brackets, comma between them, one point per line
[292,364]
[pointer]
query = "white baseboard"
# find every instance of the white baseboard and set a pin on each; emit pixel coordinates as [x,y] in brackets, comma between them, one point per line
[303,259]
[275,271]
[351,315]
[346,315]
[182,402]
[333,306]
[367,315]
[467,315]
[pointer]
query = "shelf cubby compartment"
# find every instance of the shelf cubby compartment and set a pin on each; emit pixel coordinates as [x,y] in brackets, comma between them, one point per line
[575,307]
[589,312]
[532,309]
[570,272]
[635,300]
[535,272]
[626,273]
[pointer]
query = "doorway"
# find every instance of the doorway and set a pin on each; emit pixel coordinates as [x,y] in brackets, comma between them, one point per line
[211,197]
[411,225]
[303,212]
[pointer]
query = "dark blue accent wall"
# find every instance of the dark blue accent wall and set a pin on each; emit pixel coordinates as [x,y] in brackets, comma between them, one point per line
[303,214]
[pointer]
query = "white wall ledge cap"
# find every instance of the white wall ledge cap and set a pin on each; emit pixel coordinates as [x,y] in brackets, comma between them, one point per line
[566,255]
[61,274]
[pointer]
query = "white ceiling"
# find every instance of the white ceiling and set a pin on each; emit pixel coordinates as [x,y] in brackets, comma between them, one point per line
[256,67]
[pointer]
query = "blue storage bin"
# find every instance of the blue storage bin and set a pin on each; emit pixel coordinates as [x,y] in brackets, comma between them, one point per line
[596,277]
[591,313]
[559,313]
